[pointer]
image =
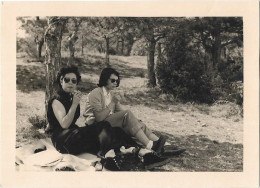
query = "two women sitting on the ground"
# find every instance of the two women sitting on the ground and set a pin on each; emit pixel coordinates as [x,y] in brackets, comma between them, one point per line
[108,125]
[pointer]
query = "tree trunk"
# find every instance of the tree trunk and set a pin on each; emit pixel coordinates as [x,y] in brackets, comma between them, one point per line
[150,62]
[159,51]
[122,46]
[71,49]
[130,45]
[107,51]
[216,52]
[39,40]
[216,46]
[39,44]
[82,46]
[40,48]
[53,36]
[72,39]
[117,46]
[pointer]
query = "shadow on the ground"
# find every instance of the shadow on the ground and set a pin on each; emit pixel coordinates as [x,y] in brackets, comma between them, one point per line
[32,77]
[121,66]
[152,99]
[203,154]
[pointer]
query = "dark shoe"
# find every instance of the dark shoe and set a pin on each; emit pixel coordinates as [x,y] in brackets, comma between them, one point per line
[173,152]
[152,160]
[158,145]
[112,164]
[170,147]
[65,168]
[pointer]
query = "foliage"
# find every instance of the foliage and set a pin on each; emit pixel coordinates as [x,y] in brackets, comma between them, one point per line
[139,48]
[181,72]
[212,48]
[34,28]
[216,33]
[202,59]
[27,46]
[37,121]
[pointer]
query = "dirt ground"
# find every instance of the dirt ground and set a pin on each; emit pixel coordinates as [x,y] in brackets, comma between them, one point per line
[211,134]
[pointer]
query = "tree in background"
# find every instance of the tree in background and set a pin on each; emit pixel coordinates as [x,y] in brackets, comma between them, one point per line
[104,27]
[215,33]
[35,28]
[127,33]
[180,70]
[152,30]
[73,36]
[197,61]
[207,46]
[53,37]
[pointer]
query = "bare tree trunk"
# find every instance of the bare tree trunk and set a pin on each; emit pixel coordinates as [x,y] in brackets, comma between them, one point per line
[150,62]
[107,51]
[117,46]
[216,52]
[159,51]
[53,36]
[39,41]
[130,45]
[216,48]
[72,39]
[122,46]
[39,44]
[82,45]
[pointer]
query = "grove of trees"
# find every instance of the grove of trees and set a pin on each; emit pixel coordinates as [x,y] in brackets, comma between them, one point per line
[194,59]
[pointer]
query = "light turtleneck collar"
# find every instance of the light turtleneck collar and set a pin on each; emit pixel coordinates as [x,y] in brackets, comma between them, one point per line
[105,92]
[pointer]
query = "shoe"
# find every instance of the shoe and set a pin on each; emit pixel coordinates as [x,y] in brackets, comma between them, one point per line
[112,164]
[173,152]
[152,160]
[158,145]
[170,147]
[65,168]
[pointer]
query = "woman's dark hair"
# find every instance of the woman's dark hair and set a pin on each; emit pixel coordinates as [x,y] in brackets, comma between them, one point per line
[65,70]
[105,75]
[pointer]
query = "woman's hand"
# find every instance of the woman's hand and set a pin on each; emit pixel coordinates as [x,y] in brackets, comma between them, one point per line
[76,97]
[116,98]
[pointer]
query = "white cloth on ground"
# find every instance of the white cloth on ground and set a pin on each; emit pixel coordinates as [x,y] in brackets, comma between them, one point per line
[50,159]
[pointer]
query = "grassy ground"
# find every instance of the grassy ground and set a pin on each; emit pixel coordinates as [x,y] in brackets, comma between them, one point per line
[212,134]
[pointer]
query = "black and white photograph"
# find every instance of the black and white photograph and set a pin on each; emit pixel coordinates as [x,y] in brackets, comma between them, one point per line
[156,93]
[143,94]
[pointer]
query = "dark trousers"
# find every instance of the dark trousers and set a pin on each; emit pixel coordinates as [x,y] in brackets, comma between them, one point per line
[92,139]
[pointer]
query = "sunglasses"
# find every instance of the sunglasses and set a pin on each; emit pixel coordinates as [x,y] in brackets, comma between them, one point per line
[67,80]
[114,80]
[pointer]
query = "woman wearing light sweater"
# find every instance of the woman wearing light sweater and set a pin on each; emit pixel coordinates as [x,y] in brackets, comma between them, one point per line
[104,105]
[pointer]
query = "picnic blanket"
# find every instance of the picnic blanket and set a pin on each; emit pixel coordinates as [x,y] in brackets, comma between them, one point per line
[42,156]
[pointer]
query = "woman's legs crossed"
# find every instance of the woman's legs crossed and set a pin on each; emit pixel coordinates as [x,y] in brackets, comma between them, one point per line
[131,125]
[148,132]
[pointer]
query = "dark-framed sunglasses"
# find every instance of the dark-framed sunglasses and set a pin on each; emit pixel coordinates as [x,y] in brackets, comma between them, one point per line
[114,80]
[67,80]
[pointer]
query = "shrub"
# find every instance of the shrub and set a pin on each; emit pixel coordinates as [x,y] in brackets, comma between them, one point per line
[28,46]
[37,121]
[139,48]
[180,71]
